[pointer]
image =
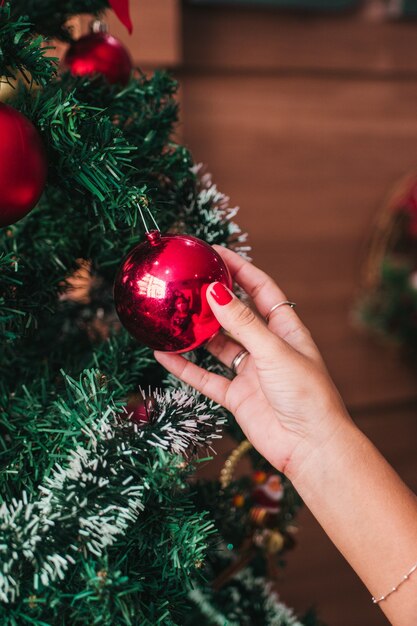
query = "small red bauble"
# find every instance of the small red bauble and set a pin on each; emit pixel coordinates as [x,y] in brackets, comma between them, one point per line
[99,53]
[23,165]
[142,410]
[160,291]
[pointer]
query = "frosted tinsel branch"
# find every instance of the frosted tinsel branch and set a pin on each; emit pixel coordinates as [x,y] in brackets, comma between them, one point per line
[74,501]
[244,590]
[186,421]
[214,217]
[99,491]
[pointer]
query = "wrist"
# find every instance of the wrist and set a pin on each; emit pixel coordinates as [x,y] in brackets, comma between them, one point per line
[319,453]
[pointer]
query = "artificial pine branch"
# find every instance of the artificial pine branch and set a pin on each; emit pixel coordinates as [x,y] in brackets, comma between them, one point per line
[245,601]
[21,53]
[103,487]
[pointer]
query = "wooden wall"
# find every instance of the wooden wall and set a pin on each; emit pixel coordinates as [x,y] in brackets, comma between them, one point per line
[156,38]
[309,153]
[307,122]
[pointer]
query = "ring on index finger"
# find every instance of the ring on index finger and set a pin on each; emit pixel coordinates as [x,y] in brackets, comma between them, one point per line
[276,306]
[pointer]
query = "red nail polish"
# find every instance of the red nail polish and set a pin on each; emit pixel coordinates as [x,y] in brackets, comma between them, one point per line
[221,295]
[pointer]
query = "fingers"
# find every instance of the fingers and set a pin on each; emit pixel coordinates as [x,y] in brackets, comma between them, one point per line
[211,385]
[257,284]
[225,350]
[265,292]
[242,323]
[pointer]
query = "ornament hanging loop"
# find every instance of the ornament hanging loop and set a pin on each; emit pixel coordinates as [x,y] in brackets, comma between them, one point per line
[153,235]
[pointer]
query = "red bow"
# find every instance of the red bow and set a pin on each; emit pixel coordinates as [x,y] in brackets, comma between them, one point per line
[121,8]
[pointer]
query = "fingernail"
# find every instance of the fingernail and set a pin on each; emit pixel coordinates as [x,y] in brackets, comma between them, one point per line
[221,294]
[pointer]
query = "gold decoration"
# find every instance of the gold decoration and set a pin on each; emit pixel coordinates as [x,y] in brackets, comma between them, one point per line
[8,87]
[270,540]
[228,470]
[274,542]
[77,286]
[32,601]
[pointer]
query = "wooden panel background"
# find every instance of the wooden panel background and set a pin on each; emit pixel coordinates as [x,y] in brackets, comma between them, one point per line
[307,122]
[156,38]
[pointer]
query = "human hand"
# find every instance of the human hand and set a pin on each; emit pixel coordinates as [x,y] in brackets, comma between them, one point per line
[282,395]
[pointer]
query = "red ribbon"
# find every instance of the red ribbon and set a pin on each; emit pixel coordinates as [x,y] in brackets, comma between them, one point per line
[121,8]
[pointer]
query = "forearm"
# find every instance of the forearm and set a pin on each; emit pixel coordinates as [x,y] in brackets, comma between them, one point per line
[368,512]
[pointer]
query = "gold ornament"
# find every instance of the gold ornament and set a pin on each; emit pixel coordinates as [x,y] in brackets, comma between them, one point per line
[32,601]
[10,85]
[274,542]
[77,286]
[7,90]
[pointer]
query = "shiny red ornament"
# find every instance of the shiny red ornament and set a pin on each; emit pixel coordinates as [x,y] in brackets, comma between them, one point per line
[99,53]
[160,291]
[23,165]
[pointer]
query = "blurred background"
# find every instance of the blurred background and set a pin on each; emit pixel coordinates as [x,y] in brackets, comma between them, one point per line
[305,111]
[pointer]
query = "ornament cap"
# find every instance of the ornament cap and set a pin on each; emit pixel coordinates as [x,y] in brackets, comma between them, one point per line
[153,237]
[98,26]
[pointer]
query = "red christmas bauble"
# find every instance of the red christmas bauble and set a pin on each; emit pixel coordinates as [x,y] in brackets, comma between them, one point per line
[23,165]
[99,53]
[160,291]
[142,410]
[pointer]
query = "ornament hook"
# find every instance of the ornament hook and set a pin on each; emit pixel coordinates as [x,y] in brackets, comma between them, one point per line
[153,220]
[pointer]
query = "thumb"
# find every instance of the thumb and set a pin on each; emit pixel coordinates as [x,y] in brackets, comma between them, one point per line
[241,322]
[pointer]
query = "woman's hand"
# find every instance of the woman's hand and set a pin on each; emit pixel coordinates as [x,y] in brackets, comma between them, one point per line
[289,409]
[282,395]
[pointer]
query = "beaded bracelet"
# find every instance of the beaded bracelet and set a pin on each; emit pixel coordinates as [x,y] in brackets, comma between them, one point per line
[402,581]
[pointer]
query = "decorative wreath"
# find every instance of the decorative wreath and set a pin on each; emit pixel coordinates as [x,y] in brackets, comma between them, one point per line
[265,504]
[388,303]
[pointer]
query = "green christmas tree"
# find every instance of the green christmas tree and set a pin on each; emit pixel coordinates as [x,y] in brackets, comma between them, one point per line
[101,521]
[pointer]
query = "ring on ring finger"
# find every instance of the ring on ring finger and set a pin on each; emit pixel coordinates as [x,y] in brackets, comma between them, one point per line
[276,306]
